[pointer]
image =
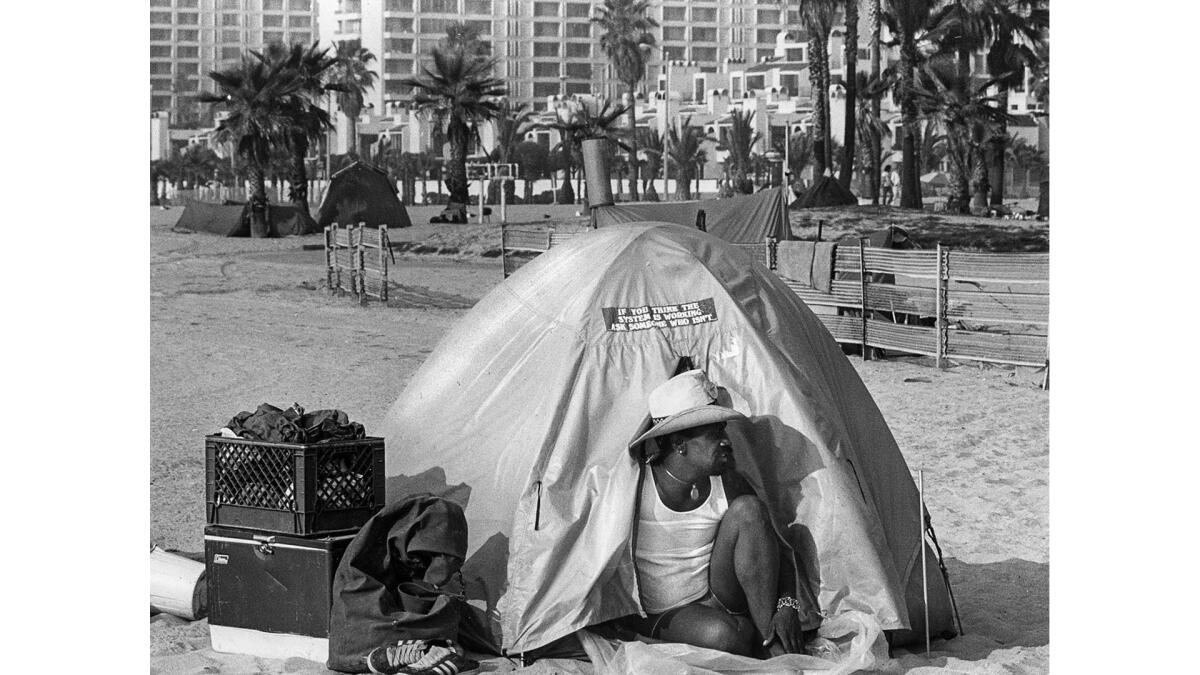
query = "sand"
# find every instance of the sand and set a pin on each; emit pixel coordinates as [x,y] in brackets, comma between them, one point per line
[238,322]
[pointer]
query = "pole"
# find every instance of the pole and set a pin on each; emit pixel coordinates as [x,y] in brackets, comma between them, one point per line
[924,579]
[481,199]
[503,186]
[939,310]
[667,135]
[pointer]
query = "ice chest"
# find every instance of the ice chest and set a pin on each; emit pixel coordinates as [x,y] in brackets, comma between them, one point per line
[293,488]
[268,593]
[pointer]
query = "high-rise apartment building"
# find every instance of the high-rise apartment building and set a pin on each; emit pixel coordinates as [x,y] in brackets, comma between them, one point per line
[547,47]
[190,38]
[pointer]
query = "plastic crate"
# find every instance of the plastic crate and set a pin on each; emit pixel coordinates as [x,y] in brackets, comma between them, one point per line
[293,488]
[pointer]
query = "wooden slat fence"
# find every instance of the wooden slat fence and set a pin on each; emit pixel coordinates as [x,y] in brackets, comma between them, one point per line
[992,307]
[356,261]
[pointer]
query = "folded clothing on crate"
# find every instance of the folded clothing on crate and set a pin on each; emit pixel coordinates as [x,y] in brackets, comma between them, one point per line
[274,425]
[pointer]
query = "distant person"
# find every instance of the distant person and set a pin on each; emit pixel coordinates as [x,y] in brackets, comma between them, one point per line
[885,186]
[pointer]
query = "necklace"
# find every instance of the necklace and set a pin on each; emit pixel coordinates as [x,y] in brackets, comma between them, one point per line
[695,493]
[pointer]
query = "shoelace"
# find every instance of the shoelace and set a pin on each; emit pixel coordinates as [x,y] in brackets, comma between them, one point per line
[431,658]
[405,653]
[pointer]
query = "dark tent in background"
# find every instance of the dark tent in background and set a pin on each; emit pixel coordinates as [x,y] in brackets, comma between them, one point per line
[827,191]
[361,193]
[747,219]
[232,219]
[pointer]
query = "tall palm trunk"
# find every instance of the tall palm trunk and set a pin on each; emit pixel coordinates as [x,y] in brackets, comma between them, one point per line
[910,179]
[456,181]
[633,144]
[352,134]
[876,69]
[850,57]
[997,143]
[979,175]
[819,98]
[958,154]
[258,200]
[566,194]
[298,182]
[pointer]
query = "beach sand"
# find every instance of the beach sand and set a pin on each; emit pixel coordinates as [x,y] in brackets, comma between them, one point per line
[239,322]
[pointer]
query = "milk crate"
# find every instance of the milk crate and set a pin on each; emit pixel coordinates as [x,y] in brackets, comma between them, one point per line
[293,488]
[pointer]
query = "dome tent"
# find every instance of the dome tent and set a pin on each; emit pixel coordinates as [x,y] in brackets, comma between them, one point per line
[523,412]
[362,193]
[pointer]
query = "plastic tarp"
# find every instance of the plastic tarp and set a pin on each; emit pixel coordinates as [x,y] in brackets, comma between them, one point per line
[233,220]
[746,219]
[361,193]
[522,414]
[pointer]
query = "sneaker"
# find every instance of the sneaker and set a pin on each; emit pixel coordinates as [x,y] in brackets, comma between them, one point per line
[391,658]
[441,661]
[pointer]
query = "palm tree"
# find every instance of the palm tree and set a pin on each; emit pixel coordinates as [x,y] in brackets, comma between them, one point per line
[458,88]
[800,153]
[351,76]
[687,154]
[740,143]
[876,155]
[871,129]
[577,123]
[256,96]
[534,160]
[907,19]
[625,41]
[850,57]
[309,120]
[817,16]
[651,143]
[511,125]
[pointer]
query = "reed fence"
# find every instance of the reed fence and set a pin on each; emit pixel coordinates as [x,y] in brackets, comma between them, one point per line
[356,261]
[960,305]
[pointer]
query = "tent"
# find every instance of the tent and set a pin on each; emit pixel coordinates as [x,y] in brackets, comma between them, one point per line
[362,193]
[232,219]
[746,219]
[522,414]
[827,191]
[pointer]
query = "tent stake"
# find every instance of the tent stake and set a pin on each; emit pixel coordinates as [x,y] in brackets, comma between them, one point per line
[924,578]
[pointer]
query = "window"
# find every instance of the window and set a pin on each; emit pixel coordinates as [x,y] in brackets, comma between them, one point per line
[300,5]
[187,4]
[299,21]
[394,66]
[674,13]
[675,33]
[546,69]
[272,5]
[541,29]
[399,5]
[187,35]
[768,17]
[754,82]
[187,18]
[579,87]
[231,53]
[350,26]
[791,82]
[577,50]
[272,36]
[766,34]
[704,54]
[577,10]
[231,36]
[402,45]
[433,25]
[545,49]
[302,38]
[394,88]
[187,52]
[479,7]
[272,21]
[160,84]
[187,68]
[864,54]
[160,102]
[160,3]
[231,4]
[704,14]
[543,89]
[160,17]
[230,20]
[443,6]
[350,5]
[704,34]
[579,70]
[394,25]
[795,54]
[484,27]
[160,67]
[160,34]
[545,9]
[160,50]
[581,29]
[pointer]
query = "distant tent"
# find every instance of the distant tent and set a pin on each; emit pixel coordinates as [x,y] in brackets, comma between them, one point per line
[747,219]
[361,193]
[232,219]
[827,191]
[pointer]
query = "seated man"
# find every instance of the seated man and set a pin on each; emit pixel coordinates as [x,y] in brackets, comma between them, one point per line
[708,561]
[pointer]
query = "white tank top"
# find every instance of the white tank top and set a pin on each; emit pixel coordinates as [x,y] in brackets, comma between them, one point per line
[674,547]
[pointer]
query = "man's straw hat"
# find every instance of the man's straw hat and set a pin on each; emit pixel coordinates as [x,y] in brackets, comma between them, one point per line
[685,401]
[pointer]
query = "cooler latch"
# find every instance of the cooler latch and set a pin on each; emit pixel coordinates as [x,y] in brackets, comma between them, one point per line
[265,543]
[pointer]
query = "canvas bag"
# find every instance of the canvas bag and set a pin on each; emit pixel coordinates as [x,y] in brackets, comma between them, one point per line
[377,595]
